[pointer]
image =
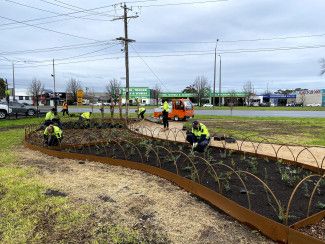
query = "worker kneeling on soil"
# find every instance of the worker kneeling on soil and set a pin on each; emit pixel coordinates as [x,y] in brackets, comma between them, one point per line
[141,113]
[200,137]
[52,135]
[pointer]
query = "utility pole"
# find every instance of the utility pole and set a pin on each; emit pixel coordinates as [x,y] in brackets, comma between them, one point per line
[13,82]
[126,41]
[214,76]
[220,82]
[54,92]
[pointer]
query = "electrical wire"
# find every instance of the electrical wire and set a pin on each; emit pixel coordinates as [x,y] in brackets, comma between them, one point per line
[47,11]
[62,15]
[139,56]
[50,30]
[178,4]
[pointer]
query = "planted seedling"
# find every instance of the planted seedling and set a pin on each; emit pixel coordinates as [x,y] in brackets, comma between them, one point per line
[321,205]
[305,189]
[253,164]
[290,176]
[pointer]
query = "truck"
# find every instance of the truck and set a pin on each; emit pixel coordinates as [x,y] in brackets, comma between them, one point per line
[179,109]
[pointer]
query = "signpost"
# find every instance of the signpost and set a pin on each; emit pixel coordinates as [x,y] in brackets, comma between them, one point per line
[80,96]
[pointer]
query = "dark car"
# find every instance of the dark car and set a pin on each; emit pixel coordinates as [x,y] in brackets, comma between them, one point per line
[19,108]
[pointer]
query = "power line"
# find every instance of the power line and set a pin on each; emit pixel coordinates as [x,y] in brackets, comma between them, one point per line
[54,31]
[57,48]
[44,10]
[62,15]
[184,55]
[232,41]
[77,7]
[139,56]
[178,4]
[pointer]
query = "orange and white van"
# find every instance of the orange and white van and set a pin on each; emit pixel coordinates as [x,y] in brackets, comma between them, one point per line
[179,109]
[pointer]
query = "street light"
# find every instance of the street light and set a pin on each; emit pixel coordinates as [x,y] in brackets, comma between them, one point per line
[220,81]
[215,71]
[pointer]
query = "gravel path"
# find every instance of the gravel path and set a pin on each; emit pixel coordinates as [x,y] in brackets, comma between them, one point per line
[162,211]
[314,156]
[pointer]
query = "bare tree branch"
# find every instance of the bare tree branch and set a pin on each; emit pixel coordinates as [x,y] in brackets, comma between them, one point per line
[201,87]
[36,89]
[72,87]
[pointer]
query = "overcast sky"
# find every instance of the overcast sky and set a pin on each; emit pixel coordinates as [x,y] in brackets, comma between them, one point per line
[175,43]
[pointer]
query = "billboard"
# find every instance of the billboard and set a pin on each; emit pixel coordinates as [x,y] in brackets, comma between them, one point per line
[137,92]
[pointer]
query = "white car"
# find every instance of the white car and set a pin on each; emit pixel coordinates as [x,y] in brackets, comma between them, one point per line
[4,111]
[209,105]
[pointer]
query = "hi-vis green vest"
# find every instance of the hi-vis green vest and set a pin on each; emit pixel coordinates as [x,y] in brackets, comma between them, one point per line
[85,115]
[49,115]
[141,110]
[166,106]
[202,130]
[56,132]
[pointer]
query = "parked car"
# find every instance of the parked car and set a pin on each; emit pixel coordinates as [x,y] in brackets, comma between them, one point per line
[209,105]
[19,108]
[4,110]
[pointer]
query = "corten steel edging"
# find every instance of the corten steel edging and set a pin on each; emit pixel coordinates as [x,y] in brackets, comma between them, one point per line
[314,219]
[268,227]
[296,237]
[259,155]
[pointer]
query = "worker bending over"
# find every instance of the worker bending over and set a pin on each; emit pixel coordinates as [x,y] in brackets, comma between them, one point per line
[52,117]
[52,135]
[49,117]
[141,112]
[84,119]
[165,115]
[200,137]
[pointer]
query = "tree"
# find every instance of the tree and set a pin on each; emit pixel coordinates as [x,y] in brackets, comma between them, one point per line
[232,100]
[113,90]
[189,89]
[2,88]
[36,90]
[72,87]
[156,93]
[249,92]
[201,87]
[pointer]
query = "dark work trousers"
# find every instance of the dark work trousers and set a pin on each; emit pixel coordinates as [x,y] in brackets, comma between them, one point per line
[52,141]
[58,122]
[202,143]
[65,111]
[141,115]
[165,119]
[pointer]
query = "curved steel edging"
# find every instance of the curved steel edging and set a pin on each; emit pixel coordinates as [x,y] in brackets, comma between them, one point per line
[276,231]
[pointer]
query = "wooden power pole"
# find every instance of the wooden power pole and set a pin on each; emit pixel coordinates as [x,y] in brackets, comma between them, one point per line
[126,41]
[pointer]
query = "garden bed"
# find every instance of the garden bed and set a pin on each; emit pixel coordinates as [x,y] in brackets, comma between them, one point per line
[261,184]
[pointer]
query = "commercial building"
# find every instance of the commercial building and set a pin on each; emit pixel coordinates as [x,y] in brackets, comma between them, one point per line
[311,97]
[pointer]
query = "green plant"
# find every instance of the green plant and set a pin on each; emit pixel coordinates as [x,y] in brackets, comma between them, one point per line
[233,163]
[321,205]
[305,189]
[290,176]
[253,164]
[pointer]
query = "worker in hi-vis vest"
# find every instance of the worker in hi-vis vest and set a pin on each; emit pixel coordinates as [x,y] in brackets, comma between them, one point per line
[199,137]
[165,115]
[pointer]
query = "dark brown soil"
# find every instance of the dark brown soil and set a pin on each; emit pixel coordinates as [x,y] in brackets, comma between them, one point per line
[214,169]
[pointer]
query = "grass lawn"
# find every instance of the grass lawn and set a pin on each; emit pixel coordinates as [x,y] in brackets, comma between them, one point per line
[27,215]
[302,131]
[264,108]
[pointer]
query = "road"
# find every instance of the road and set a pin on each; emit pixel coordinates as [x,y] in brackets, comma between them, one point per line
[247,113]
